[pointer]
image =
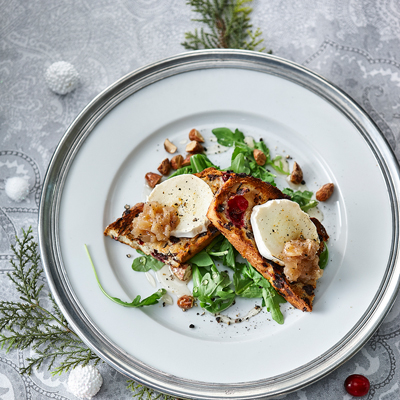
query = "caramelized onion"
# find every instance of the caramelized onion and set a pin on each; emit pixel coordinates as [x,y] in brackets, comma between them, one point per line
[155,223]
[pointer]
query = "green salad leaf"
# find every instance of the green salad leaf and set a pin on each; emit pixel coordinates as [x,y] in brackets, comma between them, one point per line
[202,259]
[212,288]
[216,293]
[250,283]
[272,300]
[240,164]
[243,161]
[303,198]
[146,263]
[226,137]
[198,163]
[222,250]
[324,257]
[137,301]
[277,164]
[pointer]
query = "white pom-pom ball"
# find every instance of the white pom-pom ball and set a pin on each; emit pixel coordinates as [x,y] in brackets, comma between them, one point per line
[62,77]
[84,382]
[17,188]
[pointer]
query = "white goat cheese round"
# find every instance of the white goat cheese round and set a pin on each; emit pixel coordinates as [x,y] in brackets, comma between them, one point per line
[278,221]
[191,196]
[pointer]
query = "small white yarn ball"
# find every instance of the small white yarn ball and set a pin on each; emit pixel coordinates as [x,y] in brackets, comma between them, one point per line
[84,382]
[62,77]
[17,188]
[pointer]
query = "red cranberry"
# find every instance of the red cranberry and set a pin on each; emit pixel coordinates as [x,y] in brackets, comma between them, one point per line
[237,205]
[357,385]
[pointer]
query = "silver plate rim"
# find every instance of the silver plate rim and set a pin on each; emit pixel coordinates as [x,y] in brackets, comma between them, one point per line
[63,292]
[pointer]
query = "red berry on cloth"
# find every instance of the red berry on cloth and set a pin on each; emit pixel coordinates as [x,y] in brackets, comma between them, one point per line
[357,385]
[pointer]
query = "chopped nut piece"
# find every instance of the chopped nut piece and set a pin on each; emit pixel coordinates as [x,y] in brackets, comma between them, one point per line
[152,179]
[185,302]
[324,192]
[176,161]
[164,167]
[170,147]
[297,174]
[186,161]
[194,134]
[194,147]
[260,157]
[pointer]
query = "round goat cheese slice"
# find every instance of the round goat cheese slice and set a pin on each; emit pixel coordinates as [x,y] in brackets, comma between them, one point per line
[278,221]
[191,196]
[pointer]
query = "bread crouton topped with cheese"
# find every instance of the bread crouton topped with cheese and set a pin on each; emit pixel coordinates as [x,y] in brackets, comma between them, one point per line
[269,230]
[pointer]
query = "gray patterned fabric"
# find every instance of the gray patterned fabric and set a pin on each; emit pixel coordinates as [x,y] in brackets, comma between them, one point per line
[353,43]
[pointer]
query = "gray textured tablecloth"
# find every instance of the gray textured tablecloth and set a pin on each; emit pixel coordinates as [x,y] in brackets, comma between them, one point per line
[353,43]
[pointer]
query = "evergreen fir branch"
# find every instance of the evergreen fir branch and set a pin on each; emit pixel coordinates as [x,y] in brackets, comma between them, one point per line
[57,311]
[29,324]
[144,393]
[229,25]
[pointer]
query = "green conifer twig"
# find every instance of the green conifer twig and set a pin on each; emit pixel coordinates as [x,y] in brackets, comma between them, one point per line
[144,393]
[229,25]
[28,323]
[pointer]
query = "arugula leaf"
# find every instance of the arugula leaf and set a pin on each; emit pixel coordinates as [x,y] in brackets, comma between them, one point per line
[261,173]
[146,263]
[278,165]
[250,283]
[221,249]
[229,253]
[260,145]
[226,137]
[212,289]
[243,161]
[302,198]
[324,257]
[240,164]
[245,285]
[275,162]
[198,163]
[136,302]
[181,171]
[202,259]
[241,148]
[272,300]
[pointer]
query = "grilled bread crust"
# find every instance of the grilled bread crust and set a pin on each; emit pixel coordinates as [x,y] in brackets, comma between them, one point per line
[175,251]
[257,192]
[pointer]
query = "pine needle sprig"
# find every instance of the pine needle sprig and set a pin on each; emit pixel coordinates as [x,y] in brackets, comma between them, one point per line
[229,25]
[29,324]
[144,393]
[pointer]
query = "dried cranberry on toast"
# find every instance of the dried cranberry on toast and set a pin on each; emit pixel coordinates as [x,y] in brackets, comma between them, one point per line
[175,251]
[230,212]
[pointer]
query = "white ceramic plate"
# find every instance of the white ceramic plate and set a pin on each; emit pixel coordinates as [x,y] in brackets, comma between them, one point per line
[100,165]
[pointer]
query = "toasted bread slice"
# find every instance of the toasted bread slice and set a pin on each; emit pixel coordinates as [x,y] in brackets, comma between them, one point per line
[237,229]
[176,251]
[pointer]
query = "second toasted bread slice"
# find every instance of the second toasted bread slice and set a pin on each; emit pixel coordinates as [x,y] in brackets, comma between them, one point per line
[238,230]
